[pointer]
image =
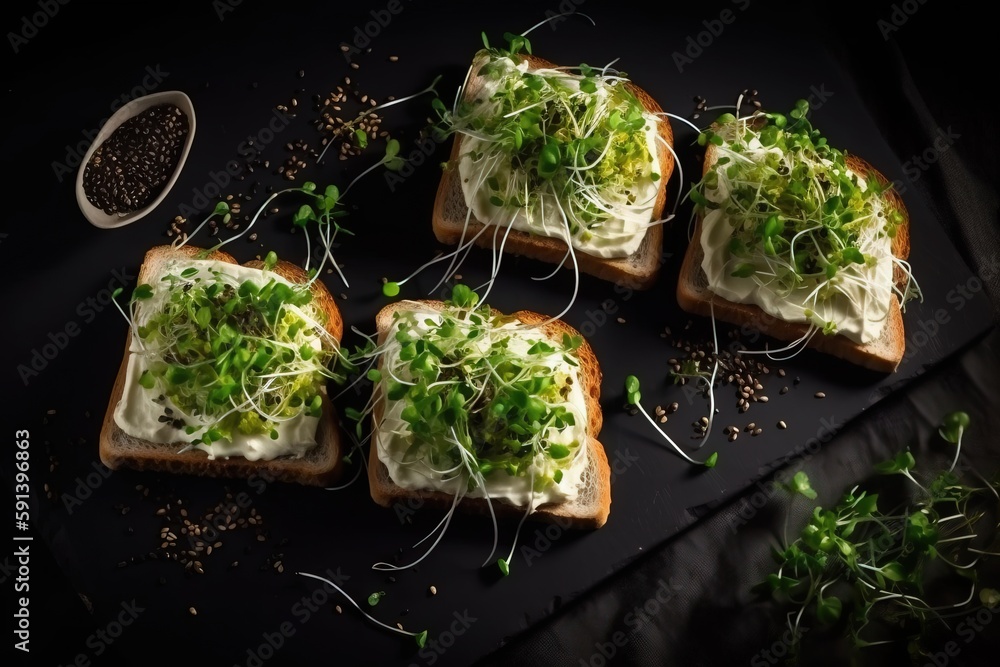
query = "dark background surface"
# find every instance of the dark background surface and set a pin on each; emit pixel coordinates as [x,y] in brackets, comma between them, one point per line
[903,89]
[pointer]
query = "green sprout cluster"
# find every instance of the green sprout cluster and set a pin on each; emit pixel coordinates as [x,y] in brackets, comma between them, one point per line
[865,569]
[800,217]
[570,138]
[241,356]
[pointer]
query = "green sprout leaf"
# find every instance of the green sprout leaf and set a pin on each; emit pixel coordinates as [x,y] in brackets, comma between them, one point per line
[271,260]
[800,484]
[953,425]
[147,380]
[390,289]
[990,597]
[828,609]
[362,138]
[143,291]
[632,393]
[374,598]
[902,462]
[504,568]
[421,638]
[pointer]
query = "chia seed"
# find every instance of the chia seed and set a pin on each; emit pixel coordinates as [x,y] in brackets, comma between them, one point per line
[132,166]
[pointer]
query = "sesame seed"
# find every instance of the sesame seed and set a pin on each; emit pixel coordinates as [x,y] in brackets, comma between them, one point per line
[433,590]
[820,394]
[192,611]
[782,424]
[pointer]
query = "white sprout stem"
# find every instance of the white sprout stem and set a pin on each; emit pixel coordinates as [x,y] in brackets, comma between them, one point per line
[958,449]
[497,260]
[362,175]
[120,310]
[388,567]
[711,382]
[667,437]
[328,254]
[985,553]
[680,173]
[357,606]
[493,516]
[682,119]
[561,264]
[357,474]
[530,510]
[556,16]
[803,340]
[196,230]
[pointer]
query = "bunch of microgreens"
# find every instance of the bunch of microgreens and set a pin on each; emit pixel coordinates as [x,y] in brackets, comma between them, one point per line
[801,220]
[570,139]
[857,562]
[241,356]
[474,408]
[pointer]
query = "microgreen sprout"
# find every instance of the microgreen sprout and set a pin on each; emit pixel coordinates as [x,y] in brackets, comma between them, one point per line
[419,637]
[876,561]
[952,428]
[633,397]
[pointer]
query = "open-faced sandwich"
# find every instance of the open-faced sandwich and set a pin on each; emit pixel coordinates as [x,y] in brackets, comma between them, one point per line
[567,165]
[798,240]
[225,371]
[490,412]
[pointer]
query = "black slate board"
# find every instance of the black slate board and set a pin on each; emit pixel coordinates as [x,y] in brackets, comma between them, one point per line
[243,611]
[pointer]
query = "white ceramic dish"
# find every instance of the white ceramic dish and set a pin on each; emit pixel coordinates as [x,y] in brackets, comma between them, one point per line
[96,216]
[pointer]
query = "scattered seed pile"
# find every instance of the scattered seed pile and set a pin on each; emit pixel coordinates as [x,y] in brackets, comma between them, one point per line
[747,375]
[133,165]
[188,538]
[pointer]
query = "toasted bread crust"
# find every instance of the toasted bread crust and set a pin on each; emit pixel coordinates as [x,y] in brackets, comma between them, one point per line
[321,466]
[882,355]
[639,271]
[386,493]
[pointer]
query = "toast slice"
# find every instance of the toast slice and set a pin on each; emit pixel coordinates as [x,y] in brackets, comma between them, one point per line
[882,354]
[637,271]
[593,504]
[319,466]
